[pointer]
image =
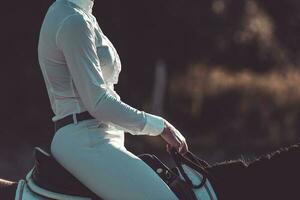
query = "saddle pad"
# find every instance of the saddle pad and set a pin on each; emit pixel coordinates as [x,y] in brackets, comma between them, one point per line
[204,193]
[24,193]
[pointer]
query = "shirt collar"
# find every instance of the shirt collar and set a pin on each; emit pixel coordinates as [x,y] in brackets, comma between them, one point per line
[86,5]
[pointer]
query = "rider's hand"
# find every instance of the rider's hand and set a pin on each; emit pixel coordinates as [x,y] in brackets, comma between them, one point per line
[174,138]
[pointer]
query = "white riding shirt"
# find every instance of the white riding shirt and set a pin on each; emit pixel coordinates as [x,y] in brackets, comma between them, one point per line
[80,67]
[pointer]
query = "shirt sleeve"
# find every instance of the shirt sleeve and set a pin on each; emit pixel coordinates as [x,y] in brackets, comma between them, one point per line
[76,39]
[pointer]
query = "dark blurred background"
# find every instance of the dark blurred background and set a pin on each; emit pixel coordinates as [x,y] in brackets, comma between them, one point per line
[224,72]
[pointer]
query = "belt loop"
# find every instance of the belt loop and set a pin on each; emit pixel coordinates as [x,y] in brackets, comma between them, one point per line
[74,118]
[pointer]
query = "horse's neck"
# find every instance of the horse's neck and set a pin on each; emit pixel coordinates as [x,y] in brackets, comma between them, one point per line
[7,189]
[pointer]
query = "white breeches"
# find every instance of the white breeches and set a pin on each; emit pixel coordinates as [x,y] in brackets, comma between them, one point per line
[98,158]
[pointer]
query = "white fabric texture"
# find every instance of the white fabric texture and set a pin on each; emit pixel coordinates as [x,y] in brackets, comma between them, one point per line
[86,5]
[98,158]
[80,67]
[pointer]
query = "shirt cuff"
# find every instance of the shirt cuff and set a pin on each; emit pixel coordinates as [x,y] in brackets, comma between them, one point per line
[154,125]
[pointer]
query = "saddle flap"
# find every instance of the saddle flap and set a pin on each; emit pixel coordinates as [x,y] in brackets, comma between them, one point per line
[167,175]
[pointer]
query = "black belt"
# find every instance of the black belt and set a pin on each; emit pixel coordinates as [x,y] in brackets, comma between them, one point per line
[69,119]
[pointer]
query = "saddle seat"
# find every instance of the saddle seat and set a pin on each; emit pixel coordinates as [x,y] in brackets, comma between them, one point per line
[48,174]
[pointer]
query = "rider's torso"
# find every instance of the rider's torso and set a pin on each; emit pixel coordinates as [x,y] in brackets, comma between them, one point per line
[61,90]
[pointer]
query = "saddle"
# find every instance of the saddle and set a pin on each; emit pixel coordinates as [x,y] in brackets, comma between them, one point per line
[49,178]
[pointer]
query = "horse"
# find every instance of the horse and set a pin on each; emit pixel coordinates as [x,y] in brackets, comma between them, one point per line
[49,180]
[270,176]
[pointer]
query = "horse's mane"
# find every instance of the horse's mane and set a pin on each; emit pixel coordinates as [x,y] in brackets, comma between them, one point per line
[241,179]
[7,189]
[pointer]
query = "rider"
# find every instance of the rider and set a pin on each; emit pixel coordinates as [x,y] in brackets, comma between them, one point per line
[80,67]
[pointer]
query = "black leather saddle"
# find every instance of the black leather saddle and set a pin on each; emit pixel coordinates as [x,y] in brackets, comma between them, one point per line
[50,175]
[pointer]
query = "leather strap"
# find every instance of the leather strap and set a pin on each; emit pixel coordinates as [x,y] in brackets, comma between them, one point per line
[70,119]
[198,166]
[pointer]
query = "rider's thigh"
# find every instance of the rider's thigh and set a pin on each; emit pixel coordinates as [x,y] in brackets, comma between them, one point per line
[106,167]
